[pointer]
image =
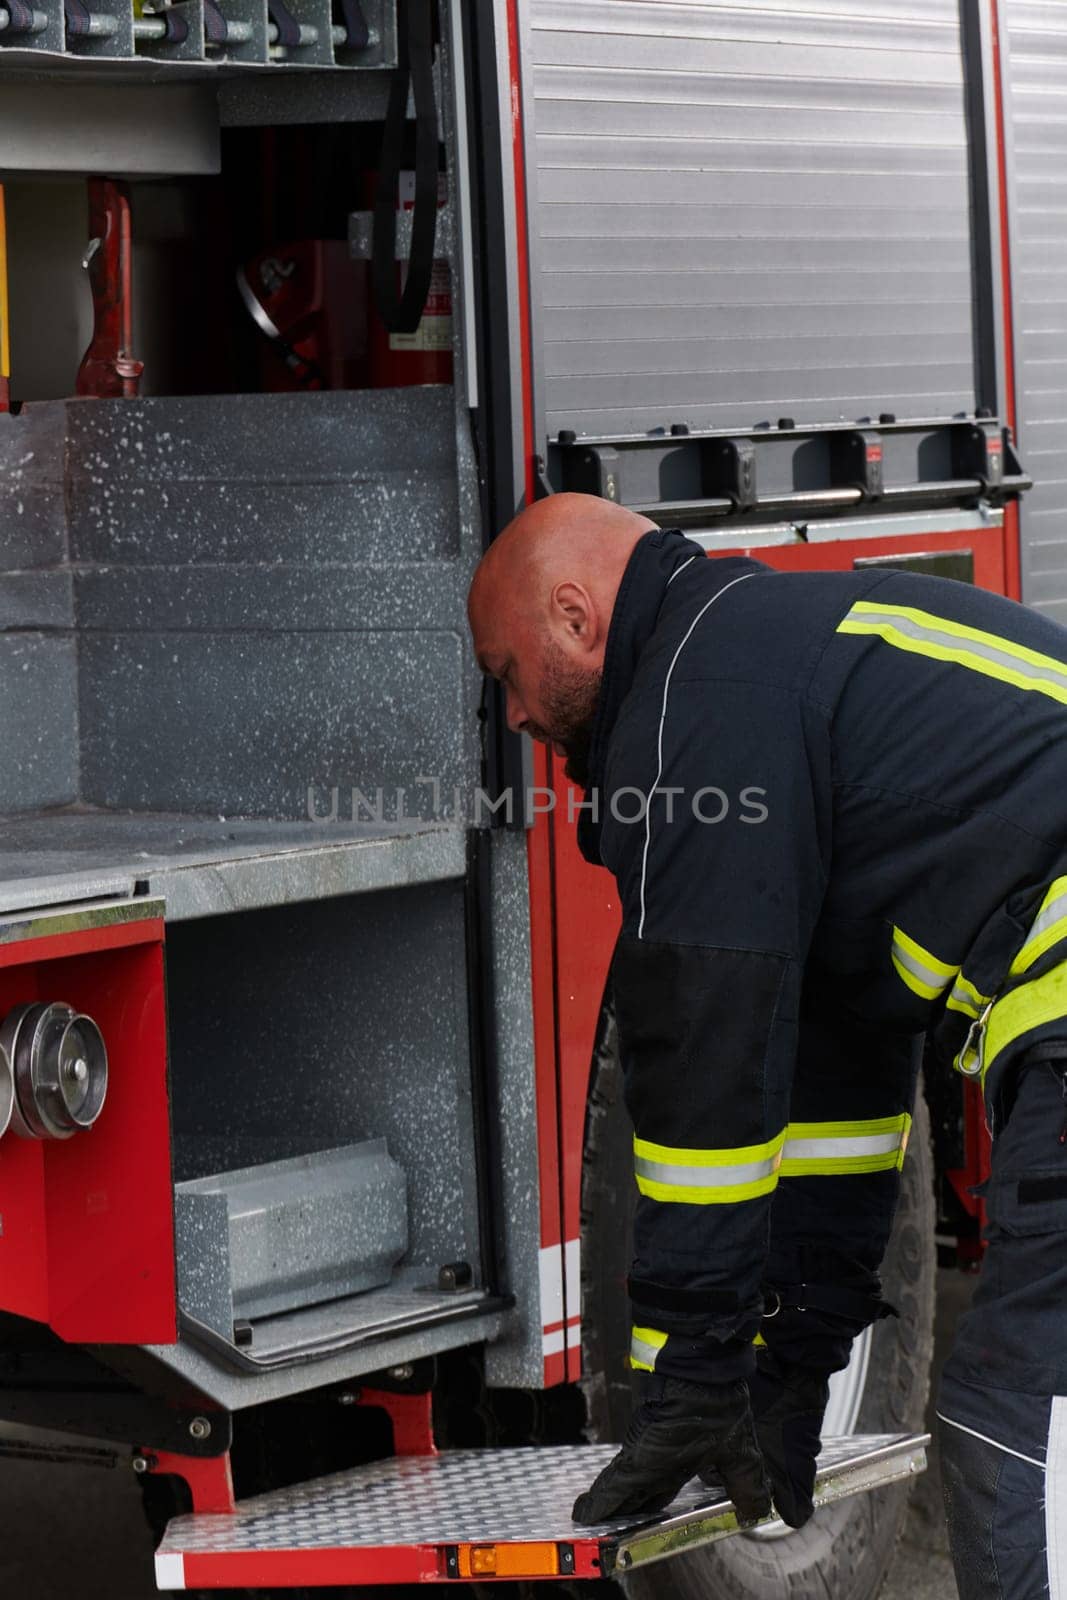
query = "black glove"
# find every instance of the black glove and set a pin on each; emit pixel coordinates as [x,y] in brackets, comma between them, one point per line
[679,1430]
[788,1403]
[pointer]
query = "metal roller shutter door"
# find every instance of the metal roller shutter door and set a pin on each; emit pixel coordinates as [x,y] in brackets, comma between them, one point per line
[743,211]
[1036,56]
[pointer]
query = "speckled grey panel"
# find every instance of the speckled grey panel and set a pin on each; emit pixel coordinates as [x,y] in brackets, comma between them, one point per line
[265,598]
[299,1029]
[38,727]
[36,600]
[267,593]
[300,1231]
[516,1360]
[32,510]
[364,477]
[243,724]
[202,1259]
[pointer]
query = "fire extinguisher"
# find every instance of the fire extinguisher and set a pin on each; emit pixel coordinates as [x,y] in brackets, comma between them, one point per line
[411,323]
[306,299]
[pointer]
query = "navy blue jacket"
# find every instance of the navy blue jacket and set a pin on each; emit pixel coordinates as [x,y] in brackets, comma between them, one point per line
[858,807]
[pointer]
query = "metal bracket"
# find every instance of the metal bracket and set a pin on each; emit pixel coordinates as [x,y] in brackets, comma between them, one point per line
[730,470]
[689,478]
[856,462]
[978,451]
[210,1480]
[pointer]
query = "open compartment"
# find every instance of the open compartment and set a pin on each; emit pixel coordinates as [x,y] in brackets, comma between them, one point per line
[236,676]
[320,1067]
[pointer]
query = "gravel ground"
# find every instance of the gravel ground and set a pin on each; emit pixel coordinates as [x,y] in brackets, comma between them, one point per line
[73,1533]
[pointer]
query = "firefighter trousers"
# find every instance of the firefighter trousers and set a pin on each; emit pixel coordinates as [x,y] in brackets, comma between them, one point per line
[1002,1403]
[849,1119]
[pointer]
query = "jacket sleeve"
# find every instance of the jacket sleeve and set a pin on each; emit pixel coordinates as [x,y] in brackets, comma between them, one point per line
[721,877]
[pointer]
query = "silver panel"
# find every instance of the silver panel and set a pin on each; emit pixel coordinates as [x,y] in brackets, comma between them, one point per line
[485,1497]
[87,127]
[744,210]
[1035,57]
[387,1342]
[516,1360]
[298,1232]
[202,867]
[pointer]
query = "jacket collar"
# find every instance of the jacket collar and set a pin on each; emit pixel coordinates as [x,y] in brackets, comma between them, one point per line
[655,560]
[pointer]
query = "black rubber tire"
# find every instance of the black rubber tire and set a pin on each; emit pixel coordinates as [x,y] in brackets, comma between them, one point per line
[845,1550]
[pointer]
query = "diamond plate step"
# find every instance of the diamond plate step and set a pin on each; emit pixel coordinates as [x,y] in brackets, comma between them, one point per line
[423,1519]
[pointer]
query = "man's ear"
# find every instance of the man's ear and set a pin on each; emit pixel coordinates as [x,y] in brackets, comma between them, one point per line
[573,614]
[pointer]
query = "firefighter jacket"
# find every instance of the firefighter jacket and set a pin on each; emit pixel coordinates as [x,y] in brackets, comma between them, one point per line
[835,805]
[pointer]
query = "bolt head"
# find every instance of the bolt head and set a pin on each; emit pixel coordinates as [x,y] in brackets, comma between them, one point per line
[139,1464]
[346,1398]
[200,1428]
[402,1374]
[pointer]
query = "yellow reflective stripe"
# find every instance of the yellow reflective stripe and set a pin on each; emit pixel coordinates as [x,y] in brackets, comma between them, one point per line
[922,971]
[645,1346]
[876,1144]
[960,630]
[674,1174]
[1047,929]
[966,998]
[924,633]
[1030,1006]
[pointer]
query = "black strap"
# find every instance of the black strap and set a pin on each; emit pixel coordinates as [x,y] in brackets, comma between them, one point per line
[415,61]
[77,13]
[862,1308]
[214,22]
[355,25]
[286,24]
[685,1301]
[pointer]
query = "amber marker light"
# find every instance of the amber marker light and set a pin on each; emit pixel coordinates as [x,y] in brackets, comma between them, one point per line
[534,1560]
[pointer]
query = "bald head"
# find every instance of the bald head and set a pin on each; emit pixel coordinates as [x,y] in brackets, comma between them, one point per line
[540,608]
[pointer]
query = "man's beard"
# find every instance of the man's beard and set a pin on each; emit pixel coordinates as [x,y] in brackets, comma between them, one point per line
[569,696]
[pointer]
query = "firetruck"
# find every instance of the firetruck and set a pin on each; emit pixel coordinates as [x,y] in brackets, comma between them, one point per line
[314,1177]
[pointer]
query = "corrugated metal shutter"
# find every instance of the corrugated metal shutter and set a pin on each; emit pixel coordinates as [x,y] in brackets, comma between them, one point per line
[1036,54]
[749,210]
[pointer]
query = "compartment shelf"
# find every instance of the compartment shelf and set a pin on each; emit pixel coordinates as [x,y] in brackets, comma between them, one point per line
[204,867]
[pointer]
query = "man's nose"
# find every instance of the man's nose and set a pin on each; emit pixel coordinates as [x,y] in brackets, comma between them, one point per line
[516,715]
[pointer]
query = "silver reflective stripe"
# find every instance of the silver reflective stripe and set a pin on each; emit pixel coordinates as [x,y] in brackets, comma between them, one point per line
[642,1353]
[923,633]
[870,1144]
[925,974]
[1046,918]
[1005,1448]
[706,1177]
[965,998]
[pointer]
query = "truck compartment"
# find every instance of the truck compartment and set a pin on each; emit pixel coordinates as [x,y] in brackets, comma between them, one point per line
[320,1064]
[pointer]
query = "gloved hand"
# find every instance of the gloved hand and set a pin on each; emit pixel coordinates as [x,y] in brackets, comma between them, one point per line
[681,1429]
[788,1403]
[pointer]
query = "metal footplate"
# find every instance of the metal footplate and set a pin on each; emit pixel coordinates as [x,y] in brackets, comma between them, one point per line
[473,1514]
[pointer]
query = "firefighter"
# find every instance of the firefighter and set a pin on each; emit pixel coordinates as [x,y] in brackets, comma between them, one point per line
[835,805]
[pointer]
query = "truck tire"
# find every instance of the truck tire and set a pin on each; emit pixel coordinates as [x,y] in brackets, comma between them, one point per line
[846,1549]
